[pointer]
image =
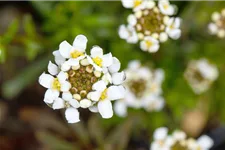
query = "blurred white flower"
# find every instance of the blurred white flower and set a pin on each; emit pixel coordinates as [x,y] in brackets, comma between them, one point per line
[143,89]
[217,26]
[178,140]
[200,74]
[83,81]
[150,24]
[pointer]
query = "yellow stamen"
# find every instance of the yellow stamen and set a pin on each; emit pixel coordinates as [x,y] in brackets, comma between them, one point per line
[166,6]
[137,3]
[76,54]
[104,95]
[149,44]
[56,84]
[98,61]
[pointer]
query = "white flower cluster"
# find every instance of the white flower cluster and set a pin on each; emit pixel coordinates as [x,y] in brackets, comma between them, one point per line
[200,74]
[143,89]
[81,80]
[149,23]
[217,27]
[178,141]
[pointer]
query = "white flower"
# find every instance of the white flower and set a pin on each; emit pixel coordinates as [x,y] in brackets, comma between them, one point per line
[135,4]
[54,85]
[104,96]
[128,33]
[74,52]
[149,44]
[204,143]
[160,133]
[217,26]
[98,60]
[166,8]
[172,28]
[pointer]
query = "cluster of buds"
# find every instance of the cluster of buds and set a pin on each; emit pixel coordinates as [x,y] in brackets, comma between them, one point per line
[143,89]
[150,24]
[217,27]
[179,141]
[200,74]
[79,80]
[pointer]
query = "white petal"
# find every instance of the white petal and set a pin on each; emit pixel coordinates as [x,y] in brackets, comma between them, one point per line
[65,86]
[134,65]
[51,95]
[133,37]
[58,104]
[107,78]
[163,37]
[46,80]
[175,33]
[85,103]
[80,43]
[93,109]
[131,19]
[123,32]
[62,76]
[213,28]
[118,78]
[177,22]
[105,108]
[67,96]
[115,92]
[179,135]
[120,108]
[99,86]
[95,96]
[160,133]
[59,59]
[73,62]
[72,115]
[96,51]
[107,60]
[128,3]
[154,48]
[64,49]
[74,103]
[115,67]
[205,142]
[65,66]
[52,68]
[165,7]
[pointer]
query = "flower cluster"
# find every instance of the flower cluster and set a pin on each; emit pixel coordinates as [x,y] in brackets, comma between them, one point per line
[149,23]
[81,80]
[200,74]
[217,27]
[178,141]
[143,89]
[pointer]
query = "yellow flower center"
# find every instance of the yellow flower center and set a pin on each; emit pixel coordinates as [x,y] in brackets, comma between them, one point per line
[56,84]
[104,95]
[76,54]
[98,61]
[165,6]
[149,44]
[137,3]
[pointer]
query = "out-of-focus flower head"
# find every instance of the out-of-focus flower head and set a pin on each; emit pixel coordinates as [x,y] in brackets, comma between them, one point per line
[150,23]
[81,80]
[200,74]
[143,89]
[178,141]
[217,26]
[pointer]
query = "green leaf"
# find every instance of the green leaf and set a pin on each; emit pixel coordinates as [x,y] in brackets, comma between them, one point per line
[29,26]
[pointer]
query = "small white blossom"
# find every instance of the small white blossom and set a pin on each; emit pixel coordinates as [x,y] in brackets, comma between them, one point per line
[200,75]
[82,81]
[150,24]
[217,26]
[143,89]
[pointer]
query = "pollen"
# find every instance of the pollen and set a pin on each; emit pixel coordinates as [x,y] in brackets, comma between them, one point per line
[56,84]
[137,3]
[149,43]
[76,54]
[166,6]
[97,60]
[104,95]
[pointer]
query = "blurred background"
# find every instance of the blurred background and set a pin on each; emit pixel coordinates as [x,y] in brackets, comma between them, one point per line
[31,31]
